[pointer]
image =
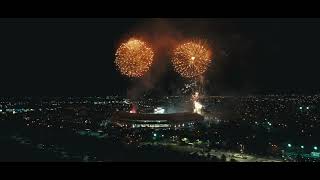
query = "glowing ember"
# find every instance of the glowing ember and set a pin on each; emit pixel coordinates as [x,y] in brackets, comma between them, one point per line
[133,109]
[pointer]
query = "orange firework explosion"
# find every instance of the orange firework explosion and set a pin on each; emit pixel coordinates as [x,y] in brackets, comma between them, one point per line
[134,58]
[191,59]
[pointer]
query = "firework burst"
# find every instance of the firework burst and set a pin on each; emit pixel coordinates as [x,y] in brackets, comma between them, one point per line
[134,58]
[191,59]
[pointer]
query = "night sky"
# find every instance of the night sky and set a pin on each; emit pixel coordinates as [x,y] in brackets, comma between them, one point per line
[76,56]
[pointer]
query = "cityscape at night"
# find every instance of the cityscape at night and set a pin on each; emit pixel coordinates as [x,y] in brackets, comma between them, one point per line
[249,128]
[159,90]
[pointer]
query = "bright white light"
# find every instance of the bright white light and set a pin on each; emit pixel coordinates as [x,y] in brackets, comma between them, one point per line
[197,94]
[197,107]
[159,110]
[308,107]
[300,107]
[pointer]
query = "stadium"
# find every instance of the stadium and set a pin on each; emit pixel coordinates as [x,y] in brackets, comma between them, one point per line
[174,120]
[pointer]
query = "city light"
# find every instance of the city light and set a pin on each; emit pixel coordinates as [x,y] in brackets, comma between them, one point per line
[153,106]
[300,107]
[308,107]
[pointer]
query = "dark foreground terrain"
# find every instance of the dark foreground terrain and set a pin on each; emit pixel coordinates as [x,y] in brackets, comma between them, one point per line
[43,144]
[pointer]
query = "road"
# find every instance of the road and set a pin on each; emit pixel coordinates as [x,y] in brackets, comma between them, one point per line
[214,152]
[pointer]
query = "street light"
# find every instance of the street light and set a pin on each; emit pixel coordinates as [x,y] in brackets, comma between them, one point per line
[302,147]
[154,134]
[289,145]
[315,148]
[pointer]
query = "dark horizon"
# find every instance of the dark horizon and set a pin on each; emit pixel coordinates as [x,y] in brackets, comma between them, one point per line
[53,57]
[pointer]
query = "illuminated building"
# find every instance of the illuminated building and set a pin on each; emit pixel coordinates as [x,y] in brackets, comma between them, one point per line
[136,120]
